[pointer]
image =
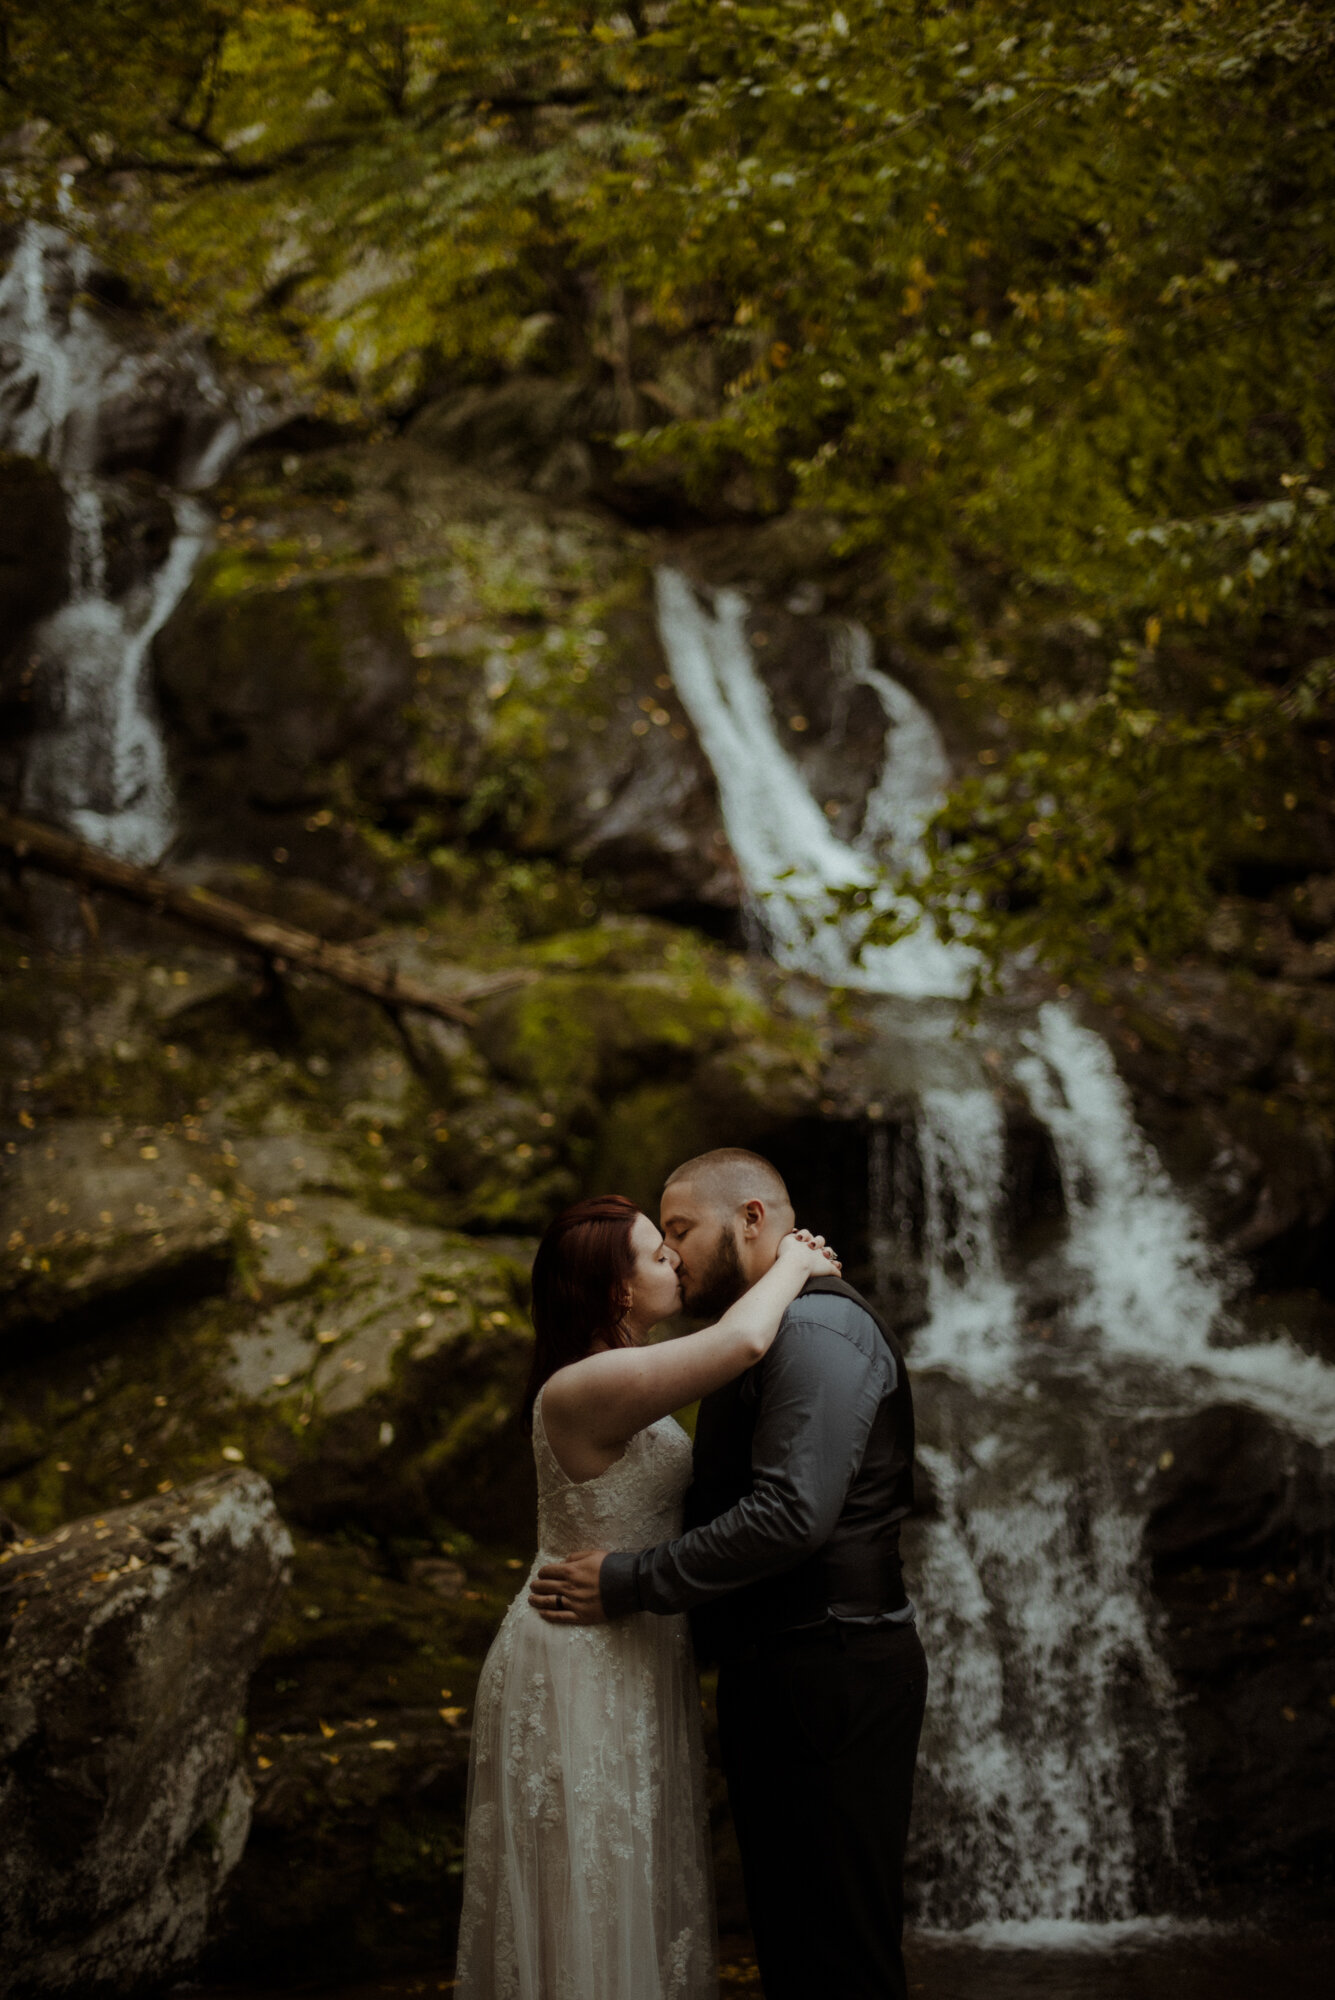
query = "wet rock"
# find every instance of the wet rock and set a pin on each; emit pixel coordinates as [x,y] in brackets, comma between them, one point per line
[129,1641]
[34,555]
[1242,1514]
[833,723]
[385,1386]
[88,1212]
[1234,1079]
[139,525]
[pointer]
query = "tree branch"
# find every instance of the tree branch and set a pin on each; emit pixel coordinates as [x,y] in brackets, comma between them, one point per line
[281,945]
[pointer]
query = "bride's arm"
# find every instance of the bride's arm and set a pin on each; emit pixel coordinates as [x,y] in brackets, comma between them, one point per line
[607,1397]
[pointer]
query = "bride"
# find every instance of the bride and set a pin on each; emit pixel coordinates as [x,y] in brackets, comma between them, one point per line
[586,1872]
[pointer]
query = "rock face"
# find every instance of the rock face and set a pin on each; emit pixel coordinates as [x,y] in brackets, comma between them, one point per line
[1239,1539]
[129,1641]
[382,639]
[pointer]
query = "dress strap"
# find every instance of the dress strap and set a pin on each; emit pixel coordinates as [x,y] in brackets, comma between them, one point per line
[541,1443]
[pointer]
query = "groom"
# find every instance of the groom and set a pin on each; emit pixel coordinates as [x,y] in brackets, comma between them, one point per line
[789,1565]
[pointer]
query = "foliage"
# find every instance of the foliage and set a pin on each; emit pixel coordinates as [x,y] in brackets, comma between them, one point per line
[354,193]
[1035,302]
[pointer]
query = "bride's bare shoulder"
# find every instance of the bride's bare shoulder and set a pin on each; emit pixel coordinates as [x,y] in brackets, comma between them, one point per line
[565,1391]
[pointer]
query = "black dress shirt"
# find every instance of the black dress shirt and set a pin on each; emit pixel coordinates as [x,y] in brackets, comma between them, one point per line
[803,1471]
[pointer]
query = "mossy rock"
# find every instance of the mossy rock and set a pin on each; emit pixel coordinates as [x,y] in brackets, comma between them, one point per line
[583,1032]
[268,687]
[358,1751]
[89,1213]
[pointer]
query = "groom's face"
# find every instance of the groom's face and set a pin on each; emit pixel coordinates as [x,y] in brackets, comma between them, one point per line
[710,1269]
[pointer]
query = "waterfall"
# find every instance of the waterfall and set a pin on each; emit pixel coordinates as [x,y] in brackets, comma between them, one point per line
[1051,1762]
[1152,1288]
[971,1304]
[788,854]
[1041,1645]
[96,762]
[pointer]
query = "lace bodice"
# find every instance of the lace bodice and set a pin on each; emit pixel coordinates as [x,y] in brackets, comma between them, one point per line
[632,1505]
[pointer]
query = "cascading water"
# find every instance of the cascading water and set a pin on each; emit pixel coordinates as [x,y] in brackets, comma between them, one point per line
[96,762]
[1151,1288]
[971,1304]
[788,854]
[1040,1643]
[1051,1764]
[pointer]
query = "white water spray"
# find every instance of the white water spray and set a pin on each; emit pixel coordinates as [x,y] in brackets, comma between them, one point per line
[1153,1288]
[788,853]
[1042,1643]
[97,762]
[971,1304]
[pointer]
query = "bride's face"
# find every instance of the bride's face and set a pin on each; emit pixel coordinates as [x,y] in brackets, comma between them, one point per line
[655,1288]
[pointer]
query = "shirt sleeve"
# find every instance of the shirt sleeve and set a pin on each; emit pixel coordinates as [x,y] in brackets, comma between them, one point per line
[819,1393]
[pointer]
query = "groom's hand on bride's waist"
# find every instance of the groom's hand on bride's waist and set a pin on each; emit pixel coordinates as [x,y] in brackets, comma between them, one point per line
[567,1593]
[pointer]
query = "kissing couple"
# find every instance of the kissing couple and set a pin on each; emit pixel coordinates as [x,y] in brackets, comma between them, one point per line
[587,1874]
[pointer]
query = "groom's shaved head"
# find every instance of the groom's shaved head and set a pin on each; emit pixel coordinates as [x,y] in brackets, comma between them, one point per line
[729,1177]
[724,1214]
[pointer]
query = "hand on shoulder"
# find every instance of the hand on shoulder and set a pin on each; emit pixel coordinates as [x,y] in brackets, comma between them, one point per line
[812,1252]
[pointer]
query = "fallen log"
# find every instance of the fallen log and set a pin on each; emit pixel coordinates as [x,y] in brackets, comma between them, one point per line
[282,945]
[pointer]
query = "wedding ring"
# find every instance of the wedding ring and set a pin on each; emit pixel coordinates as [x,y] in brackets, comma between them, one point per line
[560,1602]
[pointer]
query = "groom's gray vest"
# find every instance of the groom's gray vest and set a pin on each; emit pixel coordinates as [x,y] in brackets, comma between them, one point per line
[859,1565]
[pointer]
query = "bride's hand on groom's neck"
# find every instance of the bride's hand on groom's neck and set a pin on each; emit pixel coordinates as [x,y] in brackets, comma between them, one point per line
[814,1251]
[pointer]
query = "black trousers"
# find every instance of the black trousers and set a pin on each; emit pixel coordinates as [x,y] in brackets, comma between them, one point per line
[819,1736]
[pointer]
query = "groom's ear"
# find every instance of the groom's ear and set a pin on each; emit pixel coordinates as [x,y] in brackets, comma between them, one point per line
[753,1218]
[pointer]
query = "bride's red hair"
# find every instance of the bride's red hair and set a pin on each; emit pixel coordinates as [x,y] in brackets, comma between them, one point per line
[582,1278]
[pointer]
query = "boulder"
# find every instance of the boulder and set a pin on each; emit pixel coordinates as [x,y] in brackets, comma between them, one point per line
[90,1211]
[266,688]
[129,1642]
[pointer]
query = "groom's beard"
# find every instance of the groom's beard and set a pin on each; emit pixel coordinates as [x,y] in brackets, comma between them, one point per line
[719,1285]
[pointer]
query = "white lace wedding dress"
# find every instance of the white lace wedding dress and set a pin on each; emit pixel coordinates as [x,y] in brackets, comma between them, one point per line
[586,1873]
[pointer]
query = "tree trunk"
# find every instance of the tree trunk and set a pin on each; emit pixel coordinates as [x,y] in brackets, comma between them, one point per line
[282,945]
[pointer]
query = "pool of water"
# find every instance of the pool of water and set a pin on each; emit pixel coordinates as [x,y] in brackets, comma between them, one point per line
[1183,1964]
[1212,1965]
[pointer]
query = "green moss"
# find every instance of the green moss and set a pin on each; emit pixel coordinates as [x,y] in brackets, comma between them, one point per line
[573,1032]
